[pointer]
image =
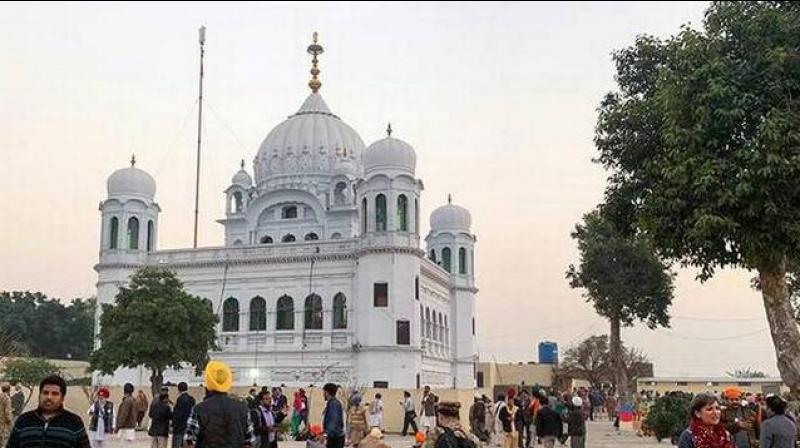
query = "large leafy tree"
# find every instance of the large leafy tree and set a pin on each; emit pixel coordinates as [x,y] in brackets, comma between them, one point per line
[624,280]
[156,324]
[702,139]
[48,327]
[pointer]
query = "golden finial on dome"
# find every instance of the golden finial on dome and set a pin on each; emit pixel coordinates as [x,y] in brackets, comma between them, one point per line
[389,130]
[133,159]
[449,199]
[242,165]
[314,50]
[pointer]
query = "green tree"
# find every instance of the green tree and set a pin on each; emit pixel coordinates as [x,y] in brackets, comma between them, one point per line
[747,372]
[702,139]
[156,324]
[667,417]
[47,327]
[624,280]
[9,346]
[29,372]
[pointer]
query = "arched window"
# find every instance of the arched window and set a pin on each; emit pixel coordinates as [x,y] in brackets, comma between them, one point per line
[336,236]
[339,197]
[313,313]
[428,322]
[288,238]
[258,314]
[462,260]
[380,213]
[416,287]
[421,323]
[364,216]
[416,216]
[433,256]
[237,243]
[447,262]
[446,332]
[402,213]
[113,238]
[266,240]
[133,233]
[339,312]
[230,315]
[150,235]
[285,314]
[441,328]
[311,237]
[289,212]
[238,204]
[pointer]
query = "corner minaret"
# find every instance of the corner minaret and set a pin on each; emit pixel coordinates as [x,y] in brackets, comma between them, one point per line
[451,245]
[388,265]
[129,217]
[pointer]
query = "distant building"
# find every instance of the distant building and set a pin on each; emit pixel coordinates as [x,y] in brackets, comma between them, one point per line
[711,384]
[499,377]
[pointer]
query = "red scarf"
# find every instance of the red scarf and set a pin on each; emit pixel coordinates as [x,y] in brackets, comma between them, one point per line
[706,436]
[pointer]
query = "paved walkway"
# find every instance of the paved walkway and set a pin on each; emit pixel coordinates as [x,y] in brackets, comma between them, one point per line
[601,435]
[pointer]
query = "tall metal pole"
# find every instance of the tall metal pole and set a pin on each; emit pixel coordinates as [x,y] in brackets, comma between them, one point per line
[199,133]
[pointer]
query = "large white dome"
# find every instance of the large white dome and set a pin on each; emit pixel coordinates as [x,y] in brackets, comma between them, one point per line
[390,154]
[451,217]
[312,142]
[131,181]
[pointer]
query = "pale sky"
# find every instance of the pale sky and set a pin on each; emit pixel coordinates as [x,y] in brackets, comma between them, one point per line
[499,101]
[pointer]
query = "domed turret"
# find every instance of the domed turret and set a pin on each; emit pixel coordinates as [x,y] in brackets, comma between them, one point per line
[390,154]
[451,216]
[129,216]
[242,178]
[131,181]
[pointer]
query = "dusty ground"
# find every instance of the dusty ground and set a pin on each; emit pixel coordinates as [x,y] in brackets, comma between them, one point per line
[601,435]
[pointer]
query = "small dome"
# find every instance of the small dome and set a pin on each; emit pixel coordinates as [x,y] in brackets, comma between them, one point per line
[242,178]
[451,217]
[390,153]
[131,181]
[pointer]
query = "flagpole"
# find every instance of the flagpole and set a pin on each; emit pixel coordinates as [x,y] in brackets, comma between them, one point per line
[202,39]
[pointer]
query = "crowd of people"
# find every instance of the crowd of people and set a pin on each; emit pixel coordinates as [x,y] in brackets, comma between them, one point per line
[737,420]
[518,418]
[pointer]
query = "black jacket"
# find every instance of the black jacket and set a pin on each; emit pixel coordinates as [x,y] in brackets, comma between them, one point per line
[181,412]
[548,423]
[505,418]
[223,422]
[160,416]
[576,425]
[65,430]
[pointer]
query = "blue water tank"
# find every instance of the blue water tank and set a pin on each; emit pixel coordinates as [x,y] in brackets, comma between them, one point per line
[548,353]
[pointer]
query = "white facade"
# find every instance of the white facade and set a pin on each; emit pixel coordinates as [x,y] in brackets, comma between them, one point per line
[321,277]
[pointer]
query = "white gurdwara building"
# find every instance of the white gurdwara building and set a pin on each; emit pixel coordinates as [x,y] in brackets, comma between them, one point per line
[321,277]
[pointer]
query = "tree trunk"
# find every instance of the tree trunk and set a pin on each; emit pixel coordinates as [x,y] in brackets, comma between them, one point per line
[782,325]
[618,373]
[156,380]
